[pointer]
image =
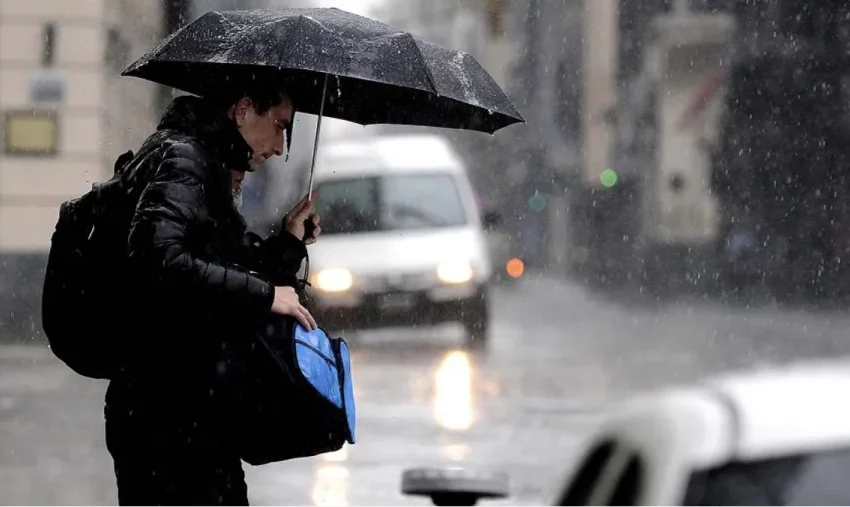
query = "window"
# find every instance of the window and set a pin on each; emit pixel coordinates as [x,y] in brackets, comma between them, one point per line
[628,487]
[421,202]
[348,206]
[117,49]
[390,203]
[583,483]
[813,479]
[48,48]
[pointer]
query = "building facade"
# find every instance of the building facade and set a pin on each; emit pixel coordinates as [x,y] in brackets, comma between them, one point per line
[65,114]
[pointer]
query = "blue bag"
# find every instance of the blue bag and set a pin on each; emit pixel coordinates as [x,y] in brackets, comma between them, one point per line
[297,395]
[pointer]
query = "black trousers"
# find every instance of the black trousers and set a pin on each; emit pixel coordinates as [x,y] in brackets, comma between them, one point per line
[172,449]
[180,480]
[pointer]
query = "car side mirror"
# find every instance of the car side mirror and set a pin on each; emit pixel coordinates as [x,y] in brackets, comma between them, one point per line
[491,219]
[454,486]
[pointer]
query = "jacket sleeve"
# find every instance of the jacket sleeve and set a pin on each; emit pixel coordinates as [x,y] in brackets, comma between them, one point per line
[278,258]
[172,204]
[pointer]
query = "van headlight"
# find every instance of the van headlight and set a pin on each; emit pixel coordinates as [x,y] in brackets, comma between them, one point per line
[333,280]
[454,272]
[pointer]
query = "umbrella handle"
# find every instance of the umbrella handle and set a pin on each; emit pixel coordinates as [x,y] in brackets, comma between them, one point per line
[318,131]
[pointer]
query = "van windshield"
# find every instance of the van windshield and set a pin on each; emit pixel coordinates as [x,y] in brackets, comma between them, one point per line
[389,203]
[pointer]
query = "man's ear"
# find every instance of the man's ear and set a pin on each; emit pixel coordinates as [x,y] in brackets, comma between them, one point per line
[240,110]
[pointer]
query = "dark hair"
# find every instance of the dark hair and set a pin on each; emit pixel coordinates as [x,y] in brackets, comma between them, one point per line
[264,96]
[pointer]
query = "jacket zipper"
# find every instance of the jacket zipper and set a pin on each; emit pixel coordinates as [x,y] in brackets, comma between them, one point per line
[338,353]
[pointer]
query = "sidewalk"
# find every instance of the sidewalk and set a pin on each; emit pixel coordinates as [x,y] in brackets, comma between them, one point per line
[50,432]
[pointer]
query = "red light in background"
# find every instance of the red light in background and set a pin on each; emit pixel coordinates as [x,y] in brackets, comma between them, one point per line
[515,267]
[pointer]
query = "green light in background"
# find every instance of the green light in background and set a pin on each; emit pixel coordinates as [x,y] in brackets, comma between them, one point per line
[537,202]
[608,178]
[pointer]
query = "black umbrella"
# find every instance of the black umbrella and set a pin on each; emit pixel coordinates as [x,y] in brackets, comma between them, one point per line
[369,73]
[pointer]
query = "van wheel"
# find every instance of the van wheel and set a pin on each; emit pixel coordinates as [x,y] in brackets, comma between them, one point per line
[476,320]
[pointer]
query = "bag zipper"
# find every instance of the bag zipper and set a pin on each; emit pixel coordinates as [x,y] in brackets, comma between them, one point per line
[317,351]
[336,346]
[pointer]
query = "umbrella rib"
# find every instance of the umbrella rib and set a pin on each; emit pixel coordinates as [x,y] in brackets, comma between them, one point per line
[424,65]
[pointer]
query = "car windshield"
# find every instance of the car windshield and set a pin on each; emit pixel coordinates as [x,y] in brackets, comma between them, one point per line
[390,203]
[812,479]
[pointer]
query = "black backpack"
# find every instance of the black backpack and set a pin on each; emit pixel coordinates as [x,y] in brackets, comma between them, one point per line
[82,296]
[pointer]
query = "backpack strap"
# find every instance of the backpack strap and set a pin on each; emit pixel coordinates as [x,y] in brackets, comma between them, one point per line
[122,161]
[120,165]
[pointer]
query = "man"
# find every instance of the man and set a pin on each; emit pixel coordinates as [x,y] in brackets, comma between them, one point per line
[171,417]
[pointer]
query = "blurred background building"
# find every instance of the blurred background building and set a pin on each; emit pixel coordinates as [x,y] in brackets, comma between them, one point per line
[66,115]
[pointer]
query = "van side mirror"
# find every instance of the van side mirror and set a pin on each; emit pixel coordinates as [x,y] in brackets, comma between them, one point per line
[491,219]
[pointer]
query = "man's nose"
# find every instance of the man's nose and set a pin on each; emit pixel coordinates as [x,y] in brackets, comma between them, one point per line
[278,147]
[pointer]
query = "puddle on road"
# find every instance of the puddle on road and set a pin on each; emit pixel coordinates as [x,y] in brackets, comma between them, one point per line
[330,480]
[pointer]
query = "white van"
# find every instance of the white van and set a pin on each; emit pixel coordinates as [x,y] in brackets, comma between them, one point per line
[402,242]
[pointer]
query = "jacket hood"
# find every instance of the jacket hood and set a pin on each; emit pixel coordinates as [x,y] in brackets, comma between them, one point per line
[199,117]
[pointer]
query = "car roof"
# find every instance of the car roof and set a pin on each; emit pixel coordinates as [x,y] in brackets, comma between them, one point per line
[387,154]
[752,415]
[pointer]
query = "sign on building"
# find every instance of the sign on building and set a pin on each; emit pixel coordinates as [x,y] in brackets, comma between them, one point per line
[47,85]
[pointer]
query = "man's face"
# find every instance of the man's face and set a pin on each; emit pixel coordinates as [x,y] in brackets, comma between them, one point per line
[265,132]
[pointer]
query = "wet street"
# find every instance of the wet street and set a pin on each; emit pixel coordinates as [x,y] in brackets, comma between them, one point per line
[558,352]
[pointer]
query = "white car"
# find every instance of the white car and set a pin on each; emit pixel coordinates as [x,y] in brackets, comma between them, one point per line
[402,241]
[775,437]
[770,437]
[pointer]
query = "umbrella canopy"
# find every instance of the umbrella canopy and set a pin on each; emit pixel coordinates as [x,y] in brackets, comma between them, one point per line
[373,73]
